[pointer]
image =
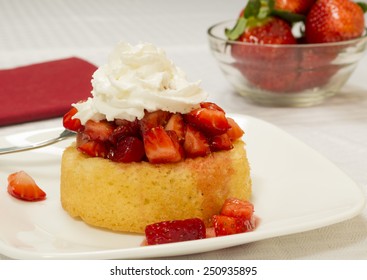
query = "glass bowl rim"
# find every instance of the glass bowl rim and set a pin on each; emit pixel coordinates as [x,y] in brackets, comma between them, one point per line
[315,45]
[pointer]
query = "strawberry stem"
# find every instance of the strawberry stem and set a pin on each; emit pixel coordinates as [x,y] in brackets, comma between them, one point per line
[237,30]
[363,6]
[288,16]
[252,8]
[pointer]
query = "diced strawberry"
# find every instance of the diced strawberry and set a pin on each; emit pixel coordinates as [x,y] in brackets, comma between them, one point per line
[154,119]
[176,124]
[128,149]
[220,142]
[22,186]
[195,144]
[100,131]
[234,207]
[211,122]
[71,123]
[235,131]
[125,128]
[224,225]
[210,232]
[211,106]
[161,147]
[175,231]
[93,148]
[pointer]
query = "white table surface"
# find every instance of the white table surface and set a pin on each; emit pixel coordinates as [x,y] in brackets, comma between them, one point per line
[39,30]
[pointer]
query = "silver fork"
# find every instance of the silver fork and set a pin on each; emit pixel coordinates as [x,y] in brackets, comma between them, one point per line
[13,149]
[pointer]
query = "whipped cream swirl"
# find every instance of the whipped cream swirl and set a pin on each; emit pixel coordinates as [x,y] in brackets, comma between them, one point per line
[138,78]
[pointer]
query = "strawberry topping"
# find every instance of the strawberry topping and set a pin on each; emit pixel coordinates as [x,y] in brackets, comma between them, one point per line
[162,146]
[127,150]
[195,144]
[159,137]
[211,122]
[176,124]
[235,131]
[93,148]
[100,131]
[71,123]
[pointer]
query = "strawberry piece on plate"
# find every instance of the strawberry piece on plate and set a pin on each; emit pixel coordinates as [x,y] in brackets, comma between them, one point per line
[234,207]
[236,216]
[175,231]
[22,186]
[161,146]
[224,225]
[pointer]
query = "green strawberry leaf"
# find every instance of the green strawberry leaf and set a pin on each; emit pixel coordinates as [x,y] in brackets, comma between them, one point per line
[363,6]
[237,30]
[270,4]
[288,16]
[252,8]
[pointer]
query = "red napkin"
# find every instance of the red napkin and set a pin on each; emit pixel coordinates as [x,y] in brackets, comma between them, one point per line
[43,90]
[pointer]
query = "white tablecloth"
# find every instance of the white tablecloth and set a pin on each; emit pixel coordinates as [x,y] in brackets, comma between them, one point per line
[39,30]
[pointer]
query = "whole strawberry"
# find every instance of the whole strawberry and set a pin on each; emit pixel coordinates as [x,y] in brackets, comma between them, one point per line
[294,6]
[258,28]
[257,62]
[271,30]
[334,21]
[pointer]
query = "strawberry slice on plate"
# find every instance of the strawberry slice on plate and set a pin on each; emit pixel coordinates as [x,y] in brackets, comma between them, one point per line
[234,207]
[22,186]
[236,216]
[224,225]
[175,231]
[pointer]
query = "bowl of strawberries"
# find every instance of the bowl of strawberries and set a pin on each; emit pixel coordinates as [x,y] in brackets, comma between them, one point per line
[290,52]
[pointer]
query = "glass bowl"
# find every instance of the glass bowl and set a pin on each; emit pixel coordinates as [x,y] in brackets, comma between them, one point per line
[285,75]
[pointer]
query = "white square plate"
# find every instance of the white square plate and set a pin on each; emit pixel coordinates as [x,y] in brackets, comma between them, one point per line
[294,189]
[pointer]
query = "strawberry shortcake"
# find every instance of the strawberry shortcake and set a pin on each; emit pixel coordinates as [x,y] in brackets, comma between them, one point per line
[149,147]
